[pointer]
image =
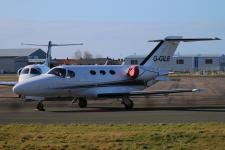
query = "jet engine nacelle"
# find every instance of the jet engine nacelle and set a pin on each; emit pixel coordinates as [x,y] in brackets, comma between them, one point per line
[133,72]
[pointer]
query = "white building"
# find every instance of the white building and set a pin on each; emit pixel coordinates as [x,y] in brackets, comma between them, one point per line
[207,63]
[222,63]
[13,59]
[181,64]
[186,63]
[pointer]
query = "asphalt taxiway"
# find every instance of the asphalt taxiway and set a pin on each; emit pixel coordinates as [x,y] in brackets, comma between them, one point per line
[103,113]
[207,106]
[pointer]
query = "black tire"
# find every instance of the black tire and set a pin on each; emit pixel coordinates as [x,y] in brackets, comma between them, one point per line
[129,105]
[82,102]
[22,97]
[40,106]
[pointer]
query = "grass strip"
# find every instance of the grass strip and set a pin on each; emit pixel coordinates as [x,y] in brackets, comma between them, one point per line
[113,136]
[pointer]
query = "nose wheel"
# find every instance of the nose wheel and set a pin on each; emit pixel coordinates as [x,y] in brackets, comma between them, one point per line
[40,106]
[128,103]
[82,102]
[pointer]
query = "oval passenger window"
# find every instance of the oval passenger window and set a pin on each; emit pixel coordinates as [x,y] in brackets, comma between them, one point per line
[92,72]
[112,72]
[102,72]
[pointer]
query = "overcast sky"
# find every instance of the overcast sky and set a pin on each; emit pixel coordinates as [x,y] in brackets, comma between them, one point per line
[114,28]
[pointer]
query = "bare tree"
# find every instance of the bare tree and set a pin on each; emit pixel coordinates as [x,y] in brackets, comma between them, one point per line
[87,55]
[78,54]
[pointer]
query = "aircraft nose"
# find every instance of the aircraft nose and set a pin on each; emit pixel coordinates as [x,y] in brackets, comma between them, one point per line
[25,88]
[20,89]
[32,87]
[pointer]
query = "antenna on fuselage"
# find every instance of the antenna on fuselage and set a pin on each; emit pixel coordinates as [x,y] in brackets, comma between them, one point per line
[50,44]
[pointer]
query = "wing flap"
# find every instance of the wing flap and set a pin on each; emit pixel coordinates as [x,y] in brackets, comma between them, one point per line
[145,93]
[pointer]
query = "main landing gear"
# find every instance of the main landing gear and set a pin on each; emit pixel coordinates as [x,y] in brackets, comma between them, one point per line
[40,106]
[128,103]
[82,102]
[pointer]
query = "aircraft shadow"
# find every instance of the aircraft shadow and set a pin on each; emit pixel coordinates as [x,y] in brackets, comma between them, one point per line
[9,97]
[120,109]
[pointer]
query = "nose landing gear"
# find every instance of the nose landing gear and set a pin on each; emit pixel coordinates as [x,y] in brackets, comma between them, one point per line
[128,103]
[40,106]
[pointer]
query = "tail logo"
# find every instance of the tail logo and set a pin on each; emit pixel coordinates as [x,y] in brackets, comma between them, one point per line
[161,58]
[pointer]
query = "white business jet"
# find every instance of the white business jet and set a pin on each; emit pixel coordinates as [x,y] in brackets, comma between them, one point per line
[107,81]
[30,71]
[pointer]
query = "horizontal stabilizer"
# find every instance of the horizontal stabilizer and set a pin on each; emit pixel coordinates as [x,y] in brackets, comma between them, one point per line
[52,44]
[49,45]
[173,38]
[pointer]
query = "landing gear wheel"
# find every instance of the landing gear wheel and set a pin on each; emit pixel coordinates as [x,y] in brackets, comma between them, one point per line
[82,102]
[21,96]
[40,106]
[128,104]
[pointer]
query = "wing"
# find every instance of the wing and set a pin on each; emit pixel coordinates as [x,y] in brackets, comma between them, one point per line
[145,93]
[7,83]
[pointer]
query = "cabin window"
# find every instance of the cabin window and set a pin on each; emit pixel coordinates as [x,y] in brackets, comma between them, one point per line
[112,72]
[180,61]
[61,72]
[35,71]
[92,72]
[70,74]
[208,61]
[25,71]
[102,72]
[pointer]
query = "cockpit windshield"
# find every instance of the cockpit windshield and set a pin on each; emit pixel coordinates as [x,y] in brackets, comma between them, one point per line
[35,71]
[25,71]
[70,74]
[61,72]
[19,71]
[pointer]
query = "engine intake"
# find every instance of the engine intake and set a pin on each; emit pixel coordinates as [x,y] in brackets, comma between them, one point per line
[133,72]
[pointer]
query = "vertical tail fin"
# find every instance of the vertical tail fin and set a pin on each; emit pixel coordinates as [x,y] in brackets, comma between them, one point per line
[162,54]
[48,55]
